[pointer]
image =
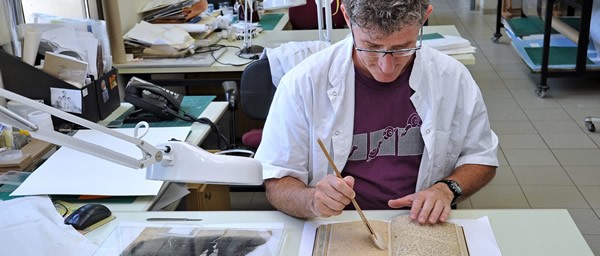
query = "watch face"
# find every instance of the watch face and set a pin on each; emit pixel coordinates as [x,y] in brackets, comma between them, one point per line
[455,187]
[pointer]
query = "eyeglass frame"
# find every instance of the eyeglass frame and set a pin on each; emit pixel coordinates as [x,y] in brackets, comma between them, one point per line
[402,52]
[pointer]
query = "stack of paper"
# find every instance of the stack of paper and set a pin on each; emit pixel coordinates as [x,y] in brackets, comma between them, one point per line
[448,44]
[160,40]
[172,11]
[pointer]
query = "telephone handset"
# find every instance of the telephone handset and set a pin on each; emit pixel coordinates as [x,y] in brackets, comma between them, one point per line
[163,103]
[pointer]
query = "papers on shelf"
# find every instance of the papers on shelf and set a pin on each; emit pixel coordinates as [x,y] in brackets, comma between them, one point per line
[157,4]
[558,62]
[151,35]
[85,40]
[188,27]
[66,68]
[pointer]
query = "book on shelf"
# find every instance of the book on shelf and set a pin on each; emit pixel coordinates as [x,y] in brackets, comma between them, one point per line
[402,236]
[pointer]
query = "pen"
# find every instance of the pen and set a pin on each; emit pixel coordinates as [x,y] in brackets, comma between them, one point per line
[172,219]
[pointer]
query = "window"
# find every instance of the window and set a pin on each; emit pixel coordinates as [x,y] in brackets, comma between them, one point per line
[77,9]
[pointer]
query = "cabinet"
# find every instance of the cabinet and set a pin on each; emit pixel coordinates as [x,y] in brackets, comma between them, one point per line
[204,197]
[581,68]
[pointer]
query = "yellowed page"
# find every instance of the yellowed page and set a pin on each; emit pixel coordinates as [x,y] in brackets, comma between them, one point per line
[349,238]
[410,238]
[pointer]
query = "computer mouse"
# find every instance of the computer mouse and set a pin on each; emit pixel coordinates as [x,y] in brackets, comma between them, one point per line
[87,215]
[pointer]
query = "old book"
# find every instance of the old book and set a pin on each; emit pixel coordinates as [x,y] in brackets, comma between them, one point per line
[402,236]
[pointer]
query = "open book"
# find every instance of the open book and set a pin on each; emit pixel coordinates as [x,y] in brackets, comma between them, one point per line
[402,237]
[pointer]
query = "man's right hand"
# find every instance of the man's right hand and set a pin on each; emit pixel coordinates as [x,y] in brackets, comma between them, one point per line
[331,196]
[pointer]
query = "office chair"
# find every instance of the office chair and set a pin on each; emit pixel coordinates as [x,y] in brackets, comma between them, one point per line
[256,94]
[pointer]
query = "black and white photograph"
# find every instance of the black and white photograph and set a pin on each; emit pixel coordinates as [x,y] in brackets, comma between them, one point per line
[66,99]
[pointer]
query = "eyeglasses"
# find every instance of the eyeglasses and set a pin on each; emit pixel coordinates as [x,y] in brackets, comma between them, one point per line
[374,54]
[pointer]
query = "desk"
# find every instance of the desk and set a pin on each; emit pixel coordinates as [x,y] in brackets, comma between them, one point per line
[518,232]
[272,39]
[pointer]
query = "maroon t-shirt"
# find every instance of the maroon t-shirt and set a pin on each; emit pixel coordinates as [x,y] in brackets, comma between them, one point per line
[387,144]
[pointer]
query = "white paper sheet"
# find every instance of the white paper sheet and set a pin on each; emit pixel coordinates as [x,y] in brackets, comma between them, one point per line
[69,172]
[32,226]
[478,233]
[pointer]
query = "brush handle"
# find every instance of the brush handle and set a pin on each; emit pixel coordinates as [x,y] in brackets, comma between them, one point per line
[339,175]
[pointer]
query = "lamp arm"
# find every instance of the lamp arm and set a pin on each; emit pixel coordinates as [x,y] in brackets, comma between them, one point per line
[150,153]
[324,5]
[175,161]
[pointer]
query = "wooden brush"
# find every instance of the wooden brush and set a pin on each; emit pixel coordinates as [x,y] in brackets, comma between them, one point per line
[376,237]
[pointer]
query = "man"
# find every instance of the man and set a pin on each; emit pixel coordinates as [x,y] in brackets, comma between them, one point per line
[405,123]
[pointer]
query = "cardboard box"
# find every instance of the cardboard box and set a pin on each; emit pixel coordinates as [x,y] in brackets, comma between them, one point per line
[98,98]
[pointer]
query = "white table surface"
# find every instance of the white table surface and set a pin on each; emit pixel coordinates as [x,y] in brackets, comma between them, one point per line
[518,232]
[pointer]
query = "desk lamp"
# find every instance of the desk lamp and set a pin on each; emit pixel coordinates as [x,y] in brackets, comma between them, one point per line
[247,47]
[322,5]
[174,161]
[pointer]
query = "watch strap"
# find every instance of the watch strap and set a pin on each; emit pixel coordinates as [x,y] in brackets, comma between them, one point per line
[454,187]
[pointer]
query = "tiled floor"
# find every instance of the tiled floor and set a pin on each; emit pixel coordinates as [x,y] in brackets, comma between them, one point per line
[548,159]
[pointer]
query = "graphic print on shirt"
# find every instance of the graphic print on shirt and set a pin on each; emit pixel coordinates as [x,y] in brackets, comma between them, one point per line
[389,141]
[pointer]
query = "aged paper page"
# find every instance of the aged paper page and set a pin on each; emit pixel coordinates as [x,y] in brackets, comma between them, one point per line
[410,238]
[349,238]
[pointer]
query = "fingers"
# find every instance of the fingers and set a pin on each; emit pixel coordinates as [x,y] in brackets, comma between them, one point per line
[401,202]
[430,206]
[332,195]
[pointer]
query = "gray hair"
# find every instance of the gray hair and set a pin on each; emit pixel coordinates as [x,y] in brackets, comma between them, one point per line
[384,17]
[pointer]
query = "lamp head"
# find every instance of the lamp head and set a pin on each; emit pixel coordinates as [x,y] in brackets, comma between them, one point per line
[280,4]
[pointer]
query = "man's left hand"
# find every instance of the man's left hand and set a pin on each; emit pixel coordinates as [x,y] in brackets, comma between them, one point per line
[428,206]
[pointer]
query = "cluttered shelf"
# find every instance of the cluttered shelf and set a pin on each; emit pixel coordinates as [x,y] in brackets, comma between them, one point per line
[553,45]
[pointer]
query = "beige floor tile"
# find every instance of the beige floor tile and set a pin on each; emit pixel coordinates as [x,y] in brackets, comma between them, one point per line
[521,141]
[532,101]
[562,141]
[587,221]
[530,157]
[504,176]
[495,92]
[554,197]
[513,127]
[547,114]
[499,197]
[578,157]
[584,175]
[556,127]
[519,83]
[511,113]
[541,175]
[591,194]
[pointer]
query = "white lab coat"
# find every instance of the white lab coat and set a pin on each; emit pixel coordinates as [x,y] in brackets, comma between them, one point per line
[286,56]
[316,100]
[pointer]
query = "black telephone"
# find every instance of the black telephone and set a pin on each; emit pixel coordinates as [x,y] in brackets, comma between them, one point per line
[162,103]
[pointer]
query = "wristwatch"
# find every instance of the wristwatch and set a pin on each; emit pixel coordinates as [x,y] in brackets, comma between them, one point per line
[454,187]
